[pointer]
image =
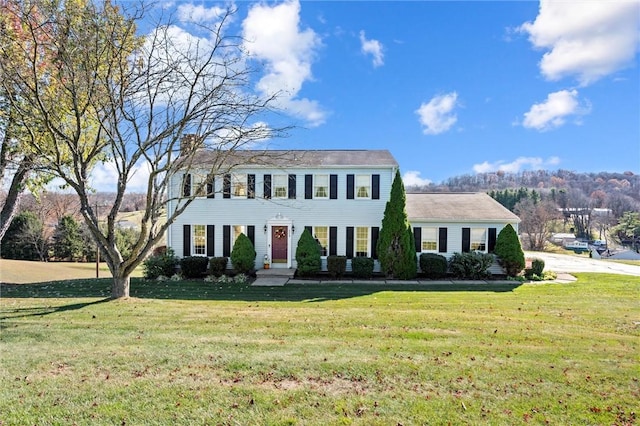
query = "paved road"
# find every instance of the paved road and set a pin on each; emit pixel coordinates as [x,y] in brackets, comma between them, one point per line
[568,263]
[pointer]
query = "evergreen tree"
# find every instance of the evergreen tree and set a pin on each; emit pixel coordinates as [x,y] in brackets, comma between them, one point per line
[308,255]
[509,251]
[396,250]
[67,240]
[243,255]
[24,239]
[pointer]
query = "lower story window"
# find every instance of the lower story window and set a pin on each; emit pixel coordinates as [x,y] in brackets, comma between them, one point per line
[321,234]
[429,239]
[478,239]
[199,240]
[362,241]
[237,230]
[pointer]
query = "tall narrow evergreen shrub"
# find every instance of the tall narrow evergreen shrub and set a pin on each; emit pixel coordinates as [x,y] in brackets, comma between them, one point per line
[308,255]
[396,250]
[509,251]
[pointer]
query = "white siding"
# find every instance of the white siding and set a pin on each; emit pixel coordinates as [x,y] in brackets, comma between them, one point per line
[340,212]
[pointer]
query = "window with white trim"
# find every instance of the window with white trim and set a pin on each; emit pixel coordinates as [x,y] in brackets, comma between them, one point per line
[321,234]
[362,241]
[478,239]
[363,186]
[280,186]
[429,239]
[321,186]
[237,230]
[239,185]
[199,240]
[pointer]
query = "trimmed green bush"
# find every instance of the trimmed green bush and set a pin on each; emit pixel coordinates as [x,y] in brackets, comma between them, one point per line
[163,264]
[509,251]
[362,267]
[308,255]
[218,266]
[336,266]
[471,266]
[433,265]
[194,266]
[243,255]
[536,271]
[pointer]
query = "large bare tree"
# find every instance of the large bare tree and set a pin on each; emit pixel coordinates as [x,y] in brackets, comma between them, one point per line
[110,95]
[536,221]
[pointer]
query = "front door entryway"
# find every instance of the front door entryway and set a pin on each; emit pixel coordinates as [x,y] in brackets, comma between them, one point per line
[279,244]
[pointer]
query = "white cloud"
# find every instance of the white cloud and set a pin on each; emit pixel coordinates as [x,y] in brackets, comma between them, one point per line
[437,115]
[412,178]
[586,39]
[373,48]
[104,178]
[188,12]
[554,111]
[273,35]
[532,163]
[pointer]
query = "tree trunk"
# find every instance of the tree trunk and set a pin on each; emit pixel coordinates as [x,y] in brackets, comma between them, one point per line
[120,287]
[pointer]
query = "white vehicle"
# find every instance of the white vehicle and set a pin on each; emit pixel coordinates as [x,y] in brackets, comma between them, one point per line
[577,246]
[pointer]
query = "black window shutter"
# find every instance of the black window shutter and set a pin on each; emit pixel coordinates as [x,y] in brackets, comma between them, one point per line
[267,187]
[308,187]
[349,242]
[333,187]
[442,240]
[375,231]
[292,187]
[417,236]
[251,234]
[226,186]
[210,239]
[211,189]
[310,229]
[333,240]
[251,183]
[466,240]
[375,187]
[226,240]
[350,186]
[492,240]
[186,187]
[186,240]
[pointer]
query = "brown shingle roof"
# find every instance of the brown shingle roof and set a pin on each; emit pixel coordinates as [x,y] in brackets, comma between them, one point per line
[453,207]
[302,158]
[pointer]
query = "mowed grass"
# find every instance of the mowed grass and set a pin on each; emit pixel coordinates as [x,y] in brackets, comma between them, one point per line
[24,271]
[202,353]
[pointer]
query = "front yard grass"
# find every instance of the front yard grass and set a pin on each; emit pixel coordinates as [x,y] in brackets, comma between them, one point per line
[200,353]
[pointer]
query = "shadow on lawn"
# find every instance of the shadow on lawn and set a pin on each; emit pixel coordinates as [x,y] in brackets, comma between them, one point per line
[41,311]
[201,290]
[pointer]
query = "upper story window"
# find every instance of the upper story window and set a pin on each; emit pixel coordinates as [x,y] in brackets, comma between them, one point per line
[239,185]
[429,239]
[321,186]
[199,240]
[363,186]
[478,239]
[280,186]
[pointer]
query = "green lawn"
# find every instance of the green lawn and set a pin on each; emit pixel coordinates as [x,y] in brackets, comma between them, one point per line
[202,353]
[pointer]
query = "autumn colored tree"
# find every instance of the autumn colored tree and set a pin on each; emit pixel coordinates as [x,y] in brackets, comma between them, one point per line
[111,95]
[536,221]
[395,247]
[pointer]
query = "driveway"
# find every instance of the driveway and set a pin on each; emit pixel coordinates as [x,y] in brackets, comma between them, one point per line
[568,263]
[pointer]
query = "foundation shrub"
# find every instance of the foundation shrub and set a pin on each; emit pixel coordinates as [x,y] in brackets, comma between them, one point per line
[433,265]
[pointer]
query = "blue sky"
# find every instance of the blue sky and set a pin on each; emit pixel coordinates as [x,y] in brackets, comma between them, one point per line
[450,88]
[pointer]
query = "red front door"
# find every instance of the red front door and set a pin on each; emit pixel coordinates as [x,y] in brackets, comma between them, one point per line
[279,244]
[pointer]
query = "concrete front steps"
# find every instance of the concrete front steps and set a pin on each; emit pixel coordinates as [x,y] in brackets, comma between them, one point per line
[274,277]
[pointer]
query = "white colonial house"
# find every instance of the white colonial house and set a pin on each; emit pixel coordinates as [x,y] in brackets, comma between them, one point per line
[339,195]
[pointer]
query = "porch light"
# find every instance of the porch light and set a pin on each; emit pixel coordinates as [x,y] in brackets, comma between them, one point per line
[265,228]
[293,229]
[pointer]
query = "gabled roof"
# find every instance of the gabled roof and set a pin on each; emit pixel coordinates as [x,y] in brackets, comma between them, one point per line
[456,206]
[300,158]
